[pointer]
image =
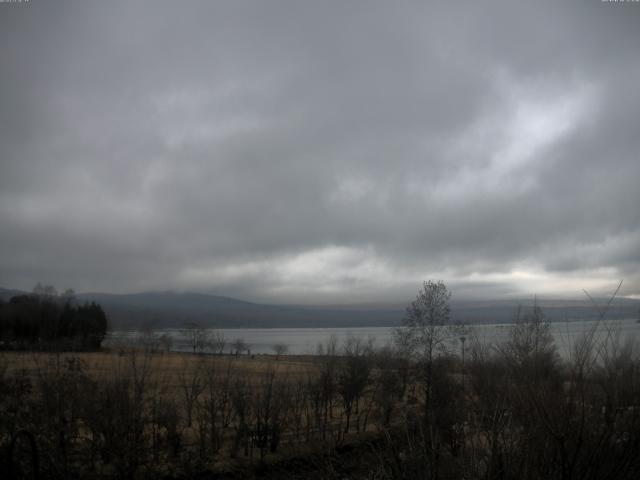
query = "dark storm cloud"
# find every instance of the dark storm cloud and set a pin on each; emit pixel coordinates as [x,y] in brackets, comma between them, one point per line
[320,151]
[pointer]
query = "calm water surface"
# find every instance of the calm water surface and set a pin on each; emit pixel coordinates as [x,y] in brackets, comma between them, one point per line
[306,340]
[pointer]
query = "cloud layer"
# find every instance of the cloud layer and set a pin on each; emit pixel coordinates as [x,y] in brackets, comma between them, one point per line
[320,151]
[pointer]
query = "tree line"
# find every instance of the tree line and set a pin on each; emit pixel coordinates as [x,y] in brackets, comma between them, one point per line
[45,319]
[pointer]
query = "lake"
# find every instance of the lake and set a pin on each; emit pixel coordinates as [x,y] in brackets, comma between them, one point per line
[306,340]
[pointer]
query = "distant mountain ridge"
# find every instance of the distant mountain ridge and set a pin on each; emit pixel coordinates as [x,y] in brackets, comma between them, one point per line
[170,309]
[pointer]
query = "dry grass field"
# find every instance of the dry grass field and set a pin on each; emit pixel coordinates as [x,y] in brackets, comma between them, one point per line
[181,377]
[168,367]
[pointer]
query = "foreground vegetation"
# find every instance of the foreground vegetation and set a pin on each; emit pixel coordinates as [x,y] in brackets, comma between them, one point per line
[418,410]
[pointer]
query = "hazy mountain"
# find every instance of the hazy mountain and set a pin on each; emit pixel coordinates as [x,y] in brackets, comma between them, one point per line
[176,309]
[171,309]
[6,294]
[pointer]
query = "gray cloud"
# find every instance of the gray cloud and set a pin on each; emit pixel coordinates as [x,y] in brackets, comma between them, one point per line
[325,151]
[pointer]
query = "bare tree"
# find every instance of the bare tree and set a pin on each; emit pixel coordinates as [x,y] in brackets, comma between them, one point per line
[280,349]
[196,336]
[354,377]
[68,296]
[45,291]
[424,328]
[217,342]
[270,408]
[390,384]
[239,346]
[530,346]
[192,384]
[243,413]
[215,409]
[165,342]
[423,335]
[324,386]
[148,340]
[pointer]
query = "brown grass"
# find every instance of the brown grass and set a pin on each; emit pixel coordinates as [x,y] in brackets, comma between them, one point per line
[167,366]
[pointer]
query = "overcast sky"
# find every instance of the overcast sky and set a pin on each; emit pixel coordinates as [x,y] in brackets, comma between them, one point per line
[321,152]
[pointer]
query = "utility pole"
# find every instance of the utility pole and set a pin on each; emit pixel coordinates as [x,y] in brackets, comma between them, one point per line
[464,393]
[462,340]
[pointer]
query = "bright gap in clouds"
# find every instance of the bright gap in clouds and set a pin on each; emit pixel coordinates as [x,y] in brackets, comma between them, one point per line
[343,275]
[501,152]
